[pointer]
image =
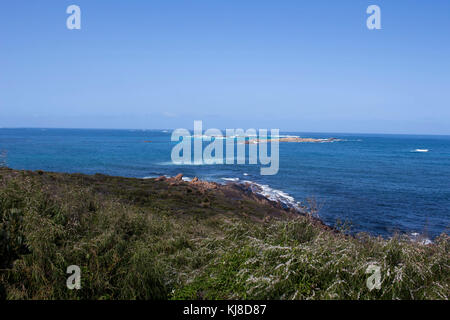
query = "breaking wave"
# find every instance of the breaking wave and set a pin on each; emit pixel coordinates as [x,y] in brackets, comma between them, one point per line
[274,195]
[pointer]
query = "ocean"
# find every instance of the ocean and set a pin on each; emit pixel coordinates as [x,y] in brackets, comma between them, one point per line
[380,184]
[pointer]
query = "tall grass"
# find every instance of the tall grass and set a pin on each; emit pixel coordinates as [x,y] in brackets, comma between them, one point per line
[294,260]
[141,245]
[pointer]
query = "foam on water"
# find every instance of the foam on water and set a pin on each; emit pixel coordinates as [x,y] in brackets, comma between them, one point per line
[231,179]
[420,238]
[274,194]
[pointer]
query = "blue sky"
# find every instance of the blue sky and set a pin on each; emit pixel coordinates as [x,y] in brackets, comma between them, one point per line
[293,65]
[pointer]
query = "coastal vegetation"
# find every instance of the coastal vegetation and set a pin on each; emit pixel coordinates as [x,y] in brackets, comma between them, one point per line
[171,239]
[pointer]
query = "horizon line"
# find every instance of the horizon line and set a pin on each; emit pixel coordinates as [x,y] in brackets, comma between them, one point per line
[285,131]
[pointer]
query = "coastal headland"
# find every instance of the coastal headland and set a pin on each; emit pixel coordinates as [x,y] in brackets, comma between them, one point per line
[166,238]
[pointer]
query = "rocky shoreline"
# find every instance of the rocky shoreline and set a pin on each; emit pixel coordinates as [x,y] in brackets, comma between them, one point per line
[168,238]
[241,190]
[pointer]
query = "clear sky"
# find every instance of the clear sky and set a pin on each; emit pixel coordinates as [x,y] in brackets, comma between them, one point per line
[293,65]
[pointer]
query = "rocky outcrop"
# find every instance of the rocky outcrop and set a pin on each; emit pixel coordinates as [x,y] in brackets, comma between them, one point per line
[204,185]
[178,177]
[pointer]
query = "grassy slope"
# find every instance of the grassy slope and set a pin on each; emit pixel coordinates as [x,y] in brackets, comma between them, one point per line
[147,239]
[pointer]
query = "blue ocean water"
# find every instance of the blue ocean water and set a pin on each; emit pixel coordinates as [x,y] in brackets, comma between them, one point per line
[379,183]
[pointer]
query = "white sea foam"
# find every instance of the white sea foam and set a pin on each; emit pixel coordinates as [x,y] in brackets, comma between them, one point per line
[154,176]
[274,195]
[421,150]
[170,163]
[419,238]
[231,179]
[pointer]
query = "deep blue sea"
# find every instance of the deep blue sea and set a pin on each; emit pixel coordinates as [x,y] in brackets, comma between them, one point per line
[379,183]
